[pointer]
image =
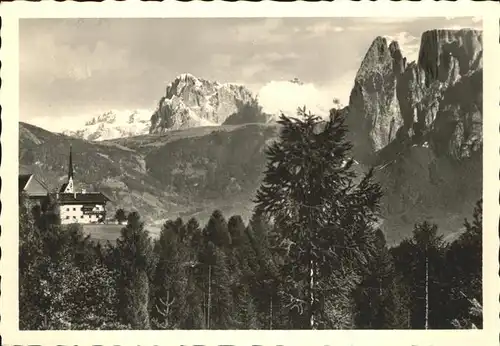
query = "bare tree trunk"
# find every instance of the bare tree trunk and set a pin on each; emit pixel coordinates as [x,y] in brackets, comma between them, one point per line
[409,317]
[311,290]
[426,291]
[209,294]
[205,307]
[271,313]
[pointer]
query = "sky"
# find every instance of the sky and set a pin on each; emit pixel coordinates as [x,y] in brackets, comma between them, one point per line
[79,68]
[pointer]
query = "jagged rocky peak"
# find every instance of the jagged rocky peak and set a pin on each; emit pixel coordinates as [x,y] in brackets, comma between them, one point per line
[446,96]
[379,56]
[374,114]
[398,60]
[445,55]
[436,99]
[106,118]
[190,101]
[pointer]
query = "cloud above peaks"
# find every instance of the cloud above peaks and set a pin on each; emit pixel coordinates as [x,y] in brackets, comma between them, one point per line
[408,43]
[285,97]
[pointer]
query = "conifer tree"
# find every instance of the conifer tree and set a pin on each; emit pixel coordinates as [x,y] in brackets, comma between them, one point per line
[194,241]
[264,284]
[170,278]
[238,257]
[326,219]
[134,249]
[194,317]
[420,261]
[221,311]
[216,230]
[192,228]
[378,304]
[200,270]
[216,268]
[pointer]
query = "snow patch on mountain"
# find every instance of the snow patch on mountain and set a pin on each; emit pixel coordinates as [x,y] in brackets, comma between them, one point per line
[113,124]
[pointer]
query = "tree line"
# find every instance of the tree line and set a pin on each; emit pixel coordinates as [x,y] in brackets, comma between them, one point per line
[312,256]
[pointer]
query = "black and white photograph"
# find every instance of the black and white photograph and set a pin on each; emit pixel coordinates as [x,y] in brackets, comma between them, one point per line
[264,173]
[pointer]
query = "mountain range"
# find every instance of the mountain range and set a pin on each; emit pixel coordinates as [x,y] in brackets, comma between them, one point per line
[188,102]
[112,125]
[418,123]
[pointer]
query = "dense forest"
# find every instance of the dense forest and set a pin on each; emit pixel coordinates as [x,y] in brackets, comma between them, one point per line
[311,257]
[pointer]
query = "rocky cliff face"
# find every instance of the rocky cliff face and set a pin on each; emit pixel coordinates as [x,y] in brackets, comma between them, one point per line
[420,125]
[374,112]
[190,102]
[437,99]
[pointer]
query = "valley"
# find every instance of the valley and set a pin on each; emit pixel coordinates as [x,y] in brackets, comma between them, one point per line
[418,123]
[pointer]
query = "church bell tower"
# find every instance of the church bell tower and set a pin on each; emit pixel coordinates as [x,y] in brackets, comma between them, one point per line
[69,185]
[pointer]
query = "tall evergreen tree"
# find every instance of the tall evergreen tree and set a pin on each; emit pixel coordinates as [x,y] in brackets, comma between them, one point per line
[192,228]
[194,296]
[239,255]
[200,270]
[378,305]
[218,272]
[265,280]
[327,219]
[134,249]
[420,261]
[222,310]
[170,279]
[216,230]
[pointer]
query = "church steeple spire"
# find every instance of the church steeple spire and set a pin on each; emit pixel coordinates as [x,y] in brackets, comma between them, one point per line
[69,186]
[70,167]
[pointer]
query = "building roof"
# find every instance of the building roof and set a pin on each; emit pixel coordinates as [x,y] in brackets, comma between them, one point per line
[23,181]
[63,187]
[82,198]
[70,167]
[32,186]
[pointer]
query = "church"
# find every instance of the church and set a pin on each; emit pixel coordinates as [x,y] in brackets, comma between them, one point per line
[80,207]
[74,207]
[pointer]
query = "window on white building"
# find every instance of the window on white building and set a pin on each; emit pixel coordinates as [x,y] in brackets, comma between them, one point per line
[67,209]
[67,217]
[74,209]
